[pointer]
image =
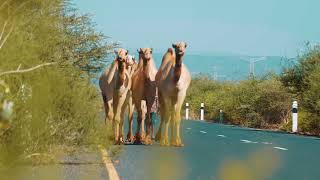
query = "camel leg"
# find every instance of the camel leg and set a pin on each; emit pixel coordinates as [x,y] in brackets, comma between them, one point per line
[177,121]
[108,109]
[152,124]
[148,140]
[118,103]
[164,141]
[158,135]
[143,118]
[138,137]
[130,136]
[121,136]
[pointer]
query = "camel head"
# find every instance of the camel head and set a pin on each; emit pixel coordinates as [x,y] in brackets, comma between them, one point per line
[180,48]
[131,63]
[121,54]
[131,60]
[145,53]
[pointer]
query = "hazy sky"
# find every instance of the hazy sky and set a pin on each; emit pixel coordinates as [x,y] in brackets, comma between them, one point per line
[248,27]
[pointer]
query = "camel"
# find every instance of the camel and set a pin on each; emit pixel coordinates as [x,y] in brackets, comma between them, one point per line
[132,66]
[115,84]
[173,80]
[144,91]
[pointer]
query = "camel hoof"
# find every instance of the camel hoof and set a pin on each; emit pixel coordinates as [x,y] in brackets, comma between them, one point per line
[148,141]
[137,142]
[119,142]
[178,145]
[164,144]
[143,137]
[130,138]
[157,138]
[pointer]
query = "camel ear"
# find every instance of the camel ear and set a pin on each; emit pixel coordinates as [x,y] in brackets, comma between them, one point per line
[185,44]
[174,45]
[127,52]
[115,51]
[151,50]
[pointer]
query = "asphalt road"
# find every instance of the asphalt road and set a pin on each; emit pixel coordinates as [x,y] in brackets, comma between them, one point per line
[214,151]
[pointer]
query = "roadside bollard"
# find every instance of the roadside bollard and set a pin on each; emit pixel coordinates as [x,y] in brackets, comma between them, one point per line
[294,116]
[221,117]
[187,111]
[202,112]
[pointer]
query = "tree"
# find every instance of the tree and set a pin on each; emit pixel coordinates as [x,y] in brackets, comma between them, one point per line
[48,58]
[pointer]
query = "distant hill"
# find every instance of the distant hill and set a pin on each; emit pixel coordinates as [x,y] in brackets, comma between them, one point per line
[227,67]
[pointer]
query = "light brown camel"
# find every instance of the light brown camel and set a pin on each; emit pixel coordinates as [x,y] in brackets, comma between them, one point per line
[173,80]
[144,91]
[115,83]
[132,66]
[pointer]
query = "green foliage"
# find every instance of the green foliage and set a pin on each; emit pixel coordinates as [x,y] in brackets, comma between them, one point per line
[302,80]
[56,104]
[252,102]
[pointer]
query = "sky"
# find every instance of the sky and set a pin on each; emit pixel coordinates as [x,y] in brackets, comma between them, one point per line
[238,27]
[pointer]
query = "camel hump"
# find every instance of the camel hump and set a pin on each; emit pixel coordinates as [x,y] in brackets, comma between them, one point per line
[170,50]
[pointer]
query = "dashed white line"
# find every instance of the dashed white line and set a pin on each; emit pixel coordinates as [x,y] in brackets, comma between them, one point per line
[203,132]
[188,128]
[281,148]
[247,141]
[266,143]
[221,135]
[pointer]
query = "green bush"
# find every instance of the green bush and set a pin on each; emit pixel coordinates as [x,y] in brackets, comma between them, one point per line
[302,79]
[252,103]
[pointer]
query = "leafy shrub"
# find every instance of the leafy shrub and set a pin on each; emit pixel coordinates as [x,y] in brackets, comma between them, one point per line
[252,102]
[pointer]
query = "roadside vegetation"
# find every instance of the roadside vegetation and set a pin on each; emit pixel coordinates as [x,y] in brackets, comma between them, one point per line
[264,102]
[49,54]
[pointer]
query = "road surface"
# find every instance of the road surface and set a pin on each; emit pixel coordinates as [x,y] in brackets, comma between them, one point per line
[214,151]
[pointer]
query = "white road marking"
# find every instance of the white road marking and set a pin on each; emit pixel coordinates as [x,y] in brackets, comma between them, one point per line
[112,172]
[247,141]
[284,149]
[221,135]
[266,143]
[203,132]
[188,128]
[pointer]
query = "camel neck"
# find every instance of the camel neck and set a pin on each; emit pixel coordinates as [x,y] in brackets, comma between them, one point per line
[177,68]
[178,61]
[121,74]
[147,66]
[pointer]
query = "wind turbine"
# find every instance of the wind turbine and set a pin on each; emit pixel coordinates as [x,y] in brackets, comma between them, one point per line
[252,61]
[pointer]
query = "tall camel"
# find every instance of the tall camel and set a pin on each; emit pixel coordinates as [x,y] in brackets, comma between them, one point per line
[115,84]
[144,91]
[173,80]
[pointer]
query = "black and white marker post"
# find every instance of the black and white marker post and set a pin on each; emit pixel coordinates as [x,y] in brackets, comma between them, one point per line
[187,111]
[202,112]
[294,116]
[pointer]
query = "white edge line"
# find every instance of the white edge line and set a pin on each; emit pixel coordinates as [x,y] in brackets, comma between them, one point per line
[111,170]
[284,149]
